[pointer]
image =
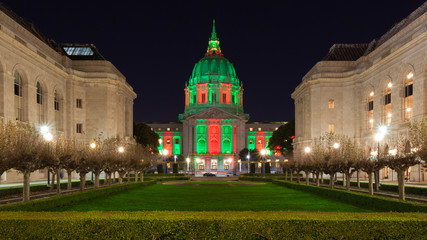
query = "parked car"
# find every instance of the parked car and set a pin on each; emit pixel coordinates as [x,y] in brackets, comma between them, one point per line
[209,175]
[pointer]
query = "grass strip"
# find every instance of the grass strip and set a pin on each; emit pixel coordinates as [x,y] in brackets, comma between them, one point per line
[212,225]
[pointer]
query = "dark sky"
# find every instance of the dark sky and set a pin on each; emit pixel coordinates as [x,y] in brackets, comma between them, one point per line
[272,44]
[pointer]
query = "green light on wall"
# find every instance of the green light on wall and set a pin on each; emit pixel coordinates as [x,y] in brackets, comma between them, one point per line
[202,146]
[176,145]
[251,143]
[160,147]
[267,140]
[227,138]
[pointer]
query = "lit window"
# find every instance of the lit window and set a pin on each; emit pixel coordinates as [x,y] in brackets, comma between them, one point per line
[40,108]
[19,111]
[79,103]
[176,141]
[371,110]
[168,129]
[168,141]
[331,104]
[160,129]
[176,129]
[259,129]
[387,106]
[331,128]
[276,129]
[78,51]
[251,129]
[79,128]
[408,101]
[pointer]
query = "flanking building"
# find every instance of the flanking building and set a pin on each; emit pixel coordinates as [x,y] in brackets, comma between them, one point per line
[214,128]
[356,88]
[69,87]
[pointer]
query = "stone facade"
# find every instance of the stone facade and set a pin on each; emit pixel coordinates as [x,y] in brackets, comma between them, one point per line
[69,87]
[358,87]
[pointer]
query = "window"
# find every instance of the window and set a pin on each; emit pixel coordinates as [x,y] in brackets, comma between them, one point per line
[214,97]
[176,140]
[387,105]
[331,128]
[203,98]
[408,101]
[39,100]
[251,141]
[251,129]
[79,103]
[168,141]
[277,164]
[168,129]
[370,123]
[19,111]
[194,99]
[226,166]
[214,165]
[58,120]
[201,166]
[331,104]
[79,128]
[224,98]
[233,98]
[259,129]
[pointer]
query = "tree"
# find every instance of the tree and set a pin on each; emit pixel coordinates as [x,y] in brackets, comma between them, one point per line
[62,151]
[401,161]
[282,138]
[145,136]
[4,146]
[27,151]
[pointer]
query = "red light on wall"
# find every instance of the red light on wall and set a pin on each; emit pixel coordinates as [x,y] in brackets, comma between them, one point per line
[167,144]
[214,136]
[292,137]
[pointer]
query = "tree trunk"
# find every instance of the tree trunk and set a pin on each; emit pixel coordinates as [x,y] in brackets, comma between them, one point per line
[358,178]
[58,181]
[121,175]
[321,177]
[69,184]
[52,183]
[136,176]
[401,183]
[82,181]
[128,175]
[371,187]
[292,175]
[317,180]
[142,176]
[307,178]
[110,179]
[286,175]
[332,181]
[298,180]
[348,176]
[96,178]
[26,187]
[376,176]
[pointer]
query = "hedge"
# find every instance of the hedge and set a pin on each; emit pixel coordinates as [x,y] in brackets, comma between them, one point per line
[375,203]
[211,225]
[57,202]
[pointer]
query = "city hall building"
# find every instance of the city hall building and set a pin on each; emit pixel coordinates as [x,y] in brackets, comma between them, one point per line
[214,128]
[356,88]
[69,87]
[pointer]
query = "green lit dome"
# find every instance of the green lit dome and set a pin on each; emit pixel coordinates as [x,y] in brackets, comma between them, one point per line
[213,69]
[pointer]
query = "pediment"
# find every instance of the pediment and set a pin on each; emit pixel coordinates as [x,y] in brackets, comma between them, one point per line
[215,113]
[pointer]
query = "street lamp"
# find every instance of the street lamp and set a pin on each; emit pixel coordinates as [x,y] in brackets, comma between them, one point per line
[188,164]
[165,153]
[121,149]
[382,131]
[263,162]
[249,158]
[92,145]
[307,149]
[48,137]
[336,145]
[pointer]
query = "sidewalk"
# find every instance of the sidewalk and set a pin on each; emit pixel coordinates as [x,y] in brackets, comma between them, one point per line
[20,184]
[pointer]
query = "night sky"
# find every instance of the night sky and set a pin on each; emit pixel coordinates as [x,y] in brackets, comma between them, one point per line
[272,44]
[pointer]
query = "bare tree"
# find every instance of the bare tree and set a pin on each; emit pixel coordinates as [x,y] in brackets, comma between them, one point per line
[4,146]
[27,151]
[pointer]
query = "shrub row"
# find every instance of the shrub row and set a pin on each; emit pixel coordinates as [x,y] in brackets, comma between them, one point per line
[375,203]
[211,225]
[57,202]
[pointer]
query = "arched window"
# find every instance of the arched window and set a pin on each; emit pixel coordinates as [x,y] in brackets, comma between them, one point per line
[57,108]
[226,146]
[387,105]
[19,110]
[40,101]
[370,123]
[409,82]
[201,146]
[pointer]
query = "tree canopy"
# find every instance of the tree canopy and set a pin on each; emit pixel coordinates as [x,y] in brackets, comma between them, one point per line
[145,136]
[282,138]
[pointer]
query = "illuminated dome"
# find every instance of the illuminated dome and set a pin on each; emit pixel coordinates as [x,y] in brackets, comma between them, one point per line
[213,83]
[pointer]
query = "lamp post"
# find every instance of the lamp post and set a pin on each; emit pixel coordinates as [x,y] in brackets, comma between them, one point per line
[48,137]
[165,153]
[92,146]
[249,158]
[263,162]
[188,164]
[379,137]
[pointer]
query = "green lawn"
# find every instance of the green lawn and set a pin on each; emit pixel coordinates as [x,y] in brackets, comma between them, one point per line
[214,197]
